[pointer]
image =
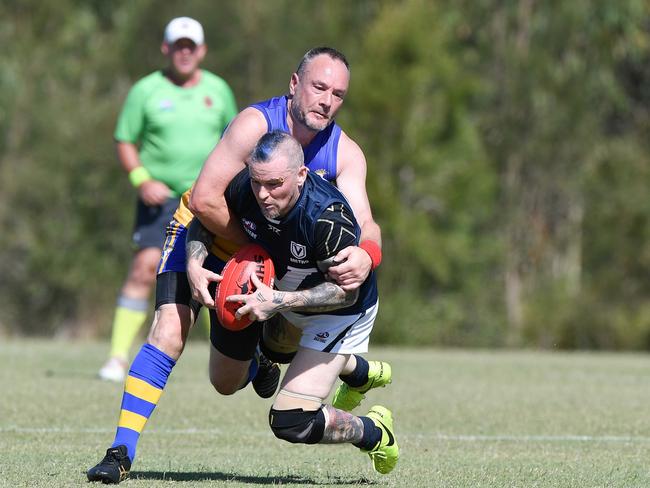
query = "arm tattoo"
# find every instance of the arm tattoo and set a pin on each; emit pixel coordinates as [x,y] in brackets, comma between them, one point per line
[341,427]
[321,298]
[324,297]
[198,239]
[260,297]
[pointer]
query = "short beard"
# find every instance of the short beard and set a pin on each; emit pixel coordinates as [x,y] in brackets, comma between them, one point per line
[300,115]
[267,215]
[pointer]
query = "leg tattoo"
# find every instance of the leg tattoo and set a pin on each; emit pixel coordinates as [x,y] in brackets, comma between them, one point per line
[341,427]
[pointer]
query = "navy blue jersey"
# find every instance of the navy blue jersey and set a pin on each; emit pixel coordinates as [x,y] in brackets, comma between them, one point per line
[322,151]
[320,224]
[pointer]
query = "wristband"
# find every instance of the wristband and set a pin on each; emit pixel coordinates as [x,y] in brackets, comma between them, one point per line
[139,175]
[373,250]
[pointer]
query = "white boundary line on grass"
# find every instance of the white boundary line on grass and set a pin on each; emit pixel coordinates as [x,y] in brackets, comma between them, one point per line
[539,438]
[440,437]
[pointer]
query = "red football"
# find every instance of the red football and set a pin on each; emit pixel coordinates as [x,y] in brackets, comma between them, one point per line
[251,258]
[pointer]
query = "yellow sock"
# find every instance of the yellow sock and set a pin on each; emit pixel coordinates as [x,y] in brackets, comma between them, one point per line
[130,314]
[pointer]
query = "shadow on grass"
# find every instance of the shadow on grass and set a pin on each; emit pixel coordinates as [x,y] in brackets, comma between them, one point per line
[260,480]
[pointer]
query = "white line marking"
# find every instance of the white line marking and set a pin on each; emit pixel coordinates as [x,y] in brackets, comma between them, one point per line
[439,437]
[540,438]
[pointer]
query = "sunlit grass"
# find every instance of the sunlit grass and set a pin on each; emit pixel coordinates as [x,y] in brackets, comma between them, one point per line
[462,419]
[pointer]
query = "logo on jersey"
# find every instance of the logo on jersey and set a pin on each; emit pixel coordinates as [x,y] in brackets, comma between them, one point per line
[321,337]
[250,228]
[274,229]
[322,173]
[166,105]
[208,101]
[299,253]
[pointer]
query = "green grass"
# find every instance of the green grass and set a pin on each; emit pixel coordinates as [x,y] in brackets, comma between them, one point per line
[462,419]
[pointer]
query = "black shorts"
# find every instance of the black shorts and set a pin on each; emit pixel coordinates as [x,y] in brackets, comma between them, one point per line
[240,344]
[151,222]
[173,287]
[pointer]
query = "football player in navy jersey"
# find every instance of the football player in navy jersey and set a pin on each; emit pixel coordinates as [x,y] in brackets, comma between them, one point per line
[317,91]
[304,222]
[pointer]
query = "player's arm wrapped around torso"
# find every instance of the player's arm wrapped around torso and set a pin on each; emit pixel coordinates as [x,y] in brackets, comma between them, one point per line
[334,230]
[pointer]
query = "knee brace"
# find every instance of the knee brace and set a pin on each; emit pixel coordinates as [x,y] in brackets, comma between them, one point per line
[298,426]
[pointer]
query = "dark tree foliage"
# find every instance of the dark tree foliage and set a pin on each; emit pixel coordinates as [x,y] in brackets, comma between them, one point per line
[506,144]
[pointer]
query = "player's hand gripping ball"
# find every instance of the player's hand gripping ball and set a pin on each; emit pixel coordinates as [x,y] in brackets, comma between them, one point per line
[236,280]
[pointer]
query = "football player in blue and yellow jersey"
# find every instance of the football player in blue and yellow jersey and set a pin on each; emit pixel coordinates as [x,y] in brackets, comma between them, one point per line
[316,92]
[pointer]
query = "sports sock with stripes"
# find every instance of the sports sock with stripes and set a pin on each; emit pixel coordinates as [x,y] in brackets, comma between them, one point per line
[142,390]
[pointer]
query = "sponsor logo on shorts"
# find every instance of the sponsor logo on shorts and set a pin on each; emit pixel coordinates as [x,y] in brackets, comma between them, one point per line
[321,337]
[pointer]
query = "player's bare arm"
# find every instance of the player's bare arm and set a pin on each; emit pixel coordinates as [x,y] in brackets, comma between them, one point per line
[198,240]
[351,181]
[196,248]
[356,263]
[266,302]
[151,192]
[321,298]
[226,160]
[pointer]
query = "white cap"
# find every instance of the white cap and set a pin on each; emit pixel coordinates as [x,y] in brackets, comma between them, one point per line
[183,28]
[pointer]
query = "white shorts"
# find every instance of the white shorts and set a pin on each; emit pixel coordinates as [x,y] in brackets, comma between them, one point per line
[338,334]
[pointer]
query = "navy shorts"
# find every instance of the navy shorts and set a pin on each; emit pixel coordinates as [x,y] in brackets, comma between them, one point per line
[172,287]
[151,221]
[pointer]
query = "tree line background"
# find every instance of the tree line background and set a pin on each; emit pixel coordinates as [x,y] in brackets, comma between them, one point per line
[507,147]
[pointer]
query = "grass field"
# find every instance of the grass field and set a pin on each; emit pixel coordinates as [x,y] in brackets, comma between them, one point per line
[463,419]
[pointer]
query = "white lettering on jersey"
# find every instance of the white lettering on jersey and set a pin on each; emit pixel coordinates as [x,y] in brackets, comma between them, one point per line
[250,228]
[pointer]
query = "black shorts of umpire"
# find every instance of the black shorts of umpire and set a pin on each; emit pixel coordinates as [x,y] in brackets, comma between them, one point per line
[151,222]
[297,426]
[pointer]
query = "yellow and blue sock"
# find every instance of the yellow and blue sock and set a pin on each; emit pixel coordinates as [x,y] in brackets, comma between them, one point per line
[130,314]
[142,390]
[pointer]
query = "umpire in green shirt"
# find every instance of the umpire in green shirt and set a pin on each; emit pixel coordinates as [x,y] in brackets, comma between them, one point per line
[169,123]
